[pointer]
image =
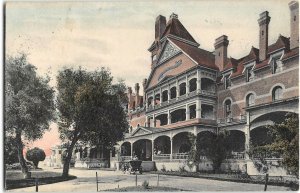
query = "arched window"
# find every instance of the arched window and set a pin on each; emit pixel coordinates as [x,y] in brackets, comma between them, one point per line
[173,92]
[193,84]
[277,93]
[133,105]
[250,100]
[138,126]
[130,129]
[227,108]
[164,96]
[182,89]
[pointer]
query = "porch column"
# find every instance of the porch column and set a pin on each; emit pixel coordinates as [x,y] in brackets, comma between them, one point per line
[198,81]
[169,94]
[147,122]
[187,116]
[154,121]
[187,86]
[247,135]
[177,89]
[160,95]
[198,109]
[152,149]
[171,153]
[153,102]
[146,101]
[169,117]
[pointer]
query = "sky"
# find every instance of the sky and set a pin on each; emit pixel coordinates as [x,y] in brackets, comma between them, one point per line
[117,34]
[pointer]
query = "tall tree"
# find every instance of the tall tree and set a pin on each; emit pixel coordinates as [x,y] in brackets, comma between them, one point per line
[90,109]
[29,104]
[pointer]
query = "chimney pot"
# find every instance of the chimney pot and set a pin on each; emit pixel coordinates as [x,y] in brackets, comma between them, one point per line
[221,44]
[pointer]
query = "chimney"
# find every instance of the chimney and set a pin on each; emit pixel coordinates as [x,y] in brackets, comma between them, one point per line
[137,95]
[263,21]
[294,12]
[129,97]
[160,26]
[221,44]
[144,88]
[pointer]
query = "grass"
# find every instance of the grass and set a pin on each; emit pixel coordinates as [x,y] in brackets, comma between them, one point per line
[14,178]
[142,189]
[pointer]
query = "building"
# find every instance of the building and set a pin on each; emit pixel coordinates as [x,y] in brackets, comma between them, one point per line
[192,90]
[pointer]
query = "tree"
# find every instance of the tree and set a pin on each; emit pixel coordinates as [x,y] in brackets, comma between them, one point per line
[35,155]
[90,109]
[10,151]
[29,104]
[216,149]
[285,142]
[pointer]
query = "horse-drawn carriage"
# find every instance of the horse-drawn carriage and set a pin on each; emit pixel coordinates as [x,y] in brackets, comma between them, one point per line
[133,166]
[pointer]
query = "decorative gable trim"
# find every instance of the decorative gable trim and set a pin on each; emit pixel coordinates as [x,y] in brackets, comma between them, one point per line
[169,51]
[141,130]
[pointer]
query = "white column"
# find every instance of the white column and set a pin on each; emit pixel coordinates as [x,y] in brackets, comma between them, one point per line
[198,108]
[187,112]
[152,149]
[198,81]
[177,89]
[169,117]
[187,85]
[169,94]
[247,135]
[160,95]
[171,153]
[153,102]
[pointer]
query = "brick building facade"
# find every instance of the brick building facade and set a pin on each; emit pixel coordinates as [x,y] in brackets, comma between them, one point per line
[192,90]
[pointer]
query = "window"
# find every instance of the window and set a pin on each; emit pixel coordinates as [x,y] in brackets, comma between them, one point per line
[193,84]
[138,126]
[295,17]
[227,82]
[192,111]
[182,89]
[130,129]
[227,108]
[276,66]
[249,74]
[262,32]
[154,57]
[113,152]
[250,100]
[173,92]
[164,96]
[277,93]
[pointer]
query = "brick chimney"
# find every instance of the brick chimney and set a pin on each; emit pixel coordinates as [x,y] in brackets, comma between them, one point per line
[137,95]
[144,88]
[221,44]
[160,26]
[263,21]
[294,21]
[129,94]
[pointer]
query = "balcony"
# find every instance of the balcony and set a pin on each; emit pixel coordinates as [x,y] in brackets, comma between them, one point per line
[231,120]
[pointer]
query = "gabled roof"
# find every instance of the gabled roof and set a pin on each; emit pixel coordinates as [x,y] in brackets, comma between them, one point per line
[231,63]
[175,27]
[282,42]
[253,55]
[200,56]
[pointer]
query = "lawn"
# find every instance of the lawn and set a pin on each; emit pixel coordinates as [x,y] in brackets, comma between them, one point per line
[142,189]
[14,178]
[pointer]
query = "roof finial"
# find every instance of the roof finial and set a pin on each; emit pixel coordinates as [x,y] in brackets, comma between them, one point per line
[173,16]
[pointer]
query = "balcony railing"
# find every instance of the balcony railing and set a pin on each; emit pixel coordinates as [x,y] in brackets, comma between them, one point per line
[236,155]
[179,156]
[208,92]
[230,120]
[126,158]
[162,157]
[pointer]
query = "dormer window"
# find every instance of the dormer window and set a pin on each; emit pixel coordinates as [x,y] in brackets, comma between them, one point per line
[249,74]
[154,57]
[227,82]
[276,65]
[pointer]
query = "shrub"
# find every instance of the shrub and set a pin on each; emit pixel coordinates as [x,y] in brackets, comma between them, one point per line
[182,169]
[145,184]
[35,155]
[163,169]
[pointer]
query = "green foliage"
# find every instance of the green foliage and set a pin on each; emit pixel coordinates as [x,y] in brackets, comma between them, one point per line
[10,151]
[29,104]
[216,149]
[285,143]
[35,155]
[145,184]
[90,107]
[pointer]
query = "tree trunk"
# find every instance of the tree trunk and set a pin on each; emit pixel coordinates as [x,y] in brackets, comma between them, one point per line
[68,159]
[21,157]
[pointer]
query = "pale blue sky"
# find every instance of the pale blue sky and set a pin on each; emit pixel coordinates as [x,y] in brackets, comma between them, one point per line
[117,34]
